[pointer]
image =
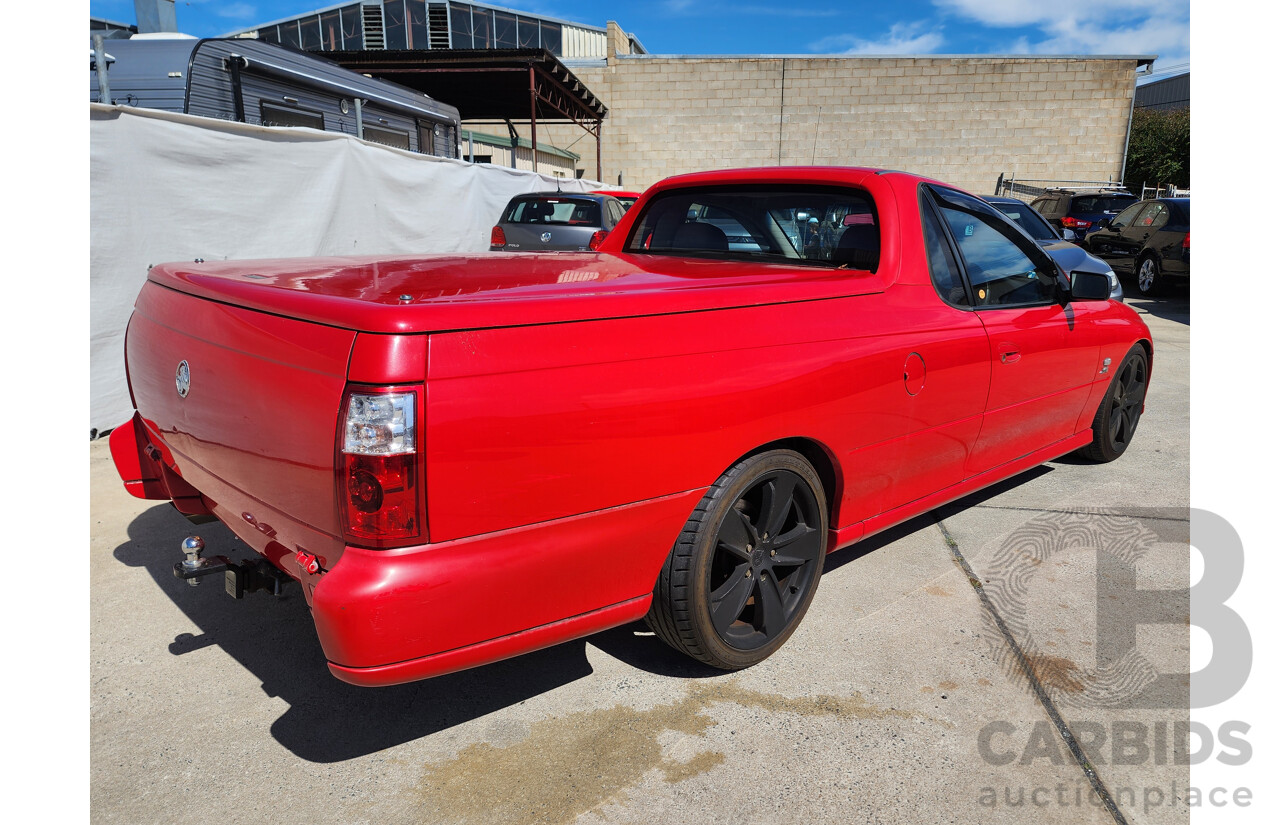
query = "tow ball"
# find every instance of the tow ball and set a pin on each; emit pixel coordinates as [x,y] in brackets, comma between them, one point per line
[239,578]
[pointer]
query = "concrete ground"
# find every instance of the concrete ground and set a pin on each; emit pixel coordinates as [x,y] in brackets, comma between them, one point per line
[931,681]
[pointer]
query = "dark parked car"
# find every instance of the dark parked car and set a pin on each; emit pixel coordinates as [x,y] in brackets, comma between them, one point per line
[1068,255]
[1150,240]
[555,221]
[1081,210]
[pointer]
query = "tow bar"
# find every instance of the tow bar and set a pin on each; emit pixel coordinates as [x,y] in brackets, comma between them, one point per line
[244,577]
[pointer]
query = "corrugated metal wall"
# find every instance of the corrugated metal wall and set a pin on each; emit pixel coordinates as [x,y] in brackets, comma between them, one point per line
[1170,93]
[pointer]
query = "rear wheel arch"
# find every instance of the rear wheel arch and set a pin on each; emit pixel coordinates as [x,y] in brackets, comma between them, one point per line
[819,457]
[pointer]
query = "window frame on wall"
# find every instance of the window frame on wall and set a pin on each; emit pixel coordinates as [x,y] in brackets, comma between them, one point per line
[301,113]
[390,28]
[395,136]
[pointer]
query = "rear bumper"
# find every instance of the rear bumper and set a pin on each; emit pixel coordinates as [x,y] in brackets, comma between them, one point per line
[390,616]
[495,649]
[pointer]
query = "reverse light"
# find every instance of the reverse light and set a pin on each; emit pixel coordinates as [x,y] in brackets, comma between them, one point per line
[497,237]
[597,238]
[378,467]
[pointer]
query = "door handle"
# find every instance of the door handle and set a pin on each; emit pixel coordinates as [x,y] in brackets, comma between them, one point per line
[1010,355]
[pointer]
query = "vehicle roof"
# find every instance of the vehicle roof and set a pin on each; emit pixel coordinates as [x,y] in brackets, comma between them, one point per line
[775,174]
[1097,191]
[593,196]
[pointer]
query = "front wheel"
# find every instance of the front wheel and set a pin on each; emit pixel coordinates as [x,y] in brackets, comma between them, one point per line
[746,566]
[1117,418]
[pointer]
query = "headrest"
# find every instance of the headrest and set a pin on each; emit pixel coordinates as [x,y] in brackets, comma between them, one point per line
[859,247]
[700,236]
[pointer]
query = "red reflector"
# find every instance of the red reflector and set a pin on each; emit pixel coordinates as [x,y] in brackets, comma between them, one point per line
[380,494]
[597,238]
[497,237]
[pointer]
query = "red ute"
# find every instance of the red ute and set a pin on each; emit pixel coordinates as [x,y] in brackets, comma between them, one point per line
[463,458]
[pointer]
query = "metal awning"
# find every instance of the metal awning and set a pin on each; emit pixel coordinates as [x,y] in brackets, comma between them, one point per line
[501,84]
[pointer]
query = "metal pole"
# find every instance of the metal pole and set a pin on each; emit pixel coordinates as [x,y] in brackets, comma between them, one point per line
[533,116]
[1128,131]
[359,119]
[599,167]
[471,147]
[100,64]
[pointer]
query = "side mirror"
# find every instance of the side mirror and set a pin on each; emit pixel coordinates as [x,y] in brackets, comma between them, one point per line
[1090,286]
[1068,234]
[1103,223]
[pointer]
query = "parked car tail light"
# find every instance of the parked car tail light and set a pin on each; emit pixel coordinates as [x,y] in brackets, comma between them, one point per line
[1186,241]
[497,237]
[378,467]
[1075,223]
[597,238]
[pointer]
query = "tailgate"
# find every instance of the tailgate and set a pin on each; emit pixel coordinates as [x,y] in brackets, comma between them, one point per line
[527,237]
[255,432]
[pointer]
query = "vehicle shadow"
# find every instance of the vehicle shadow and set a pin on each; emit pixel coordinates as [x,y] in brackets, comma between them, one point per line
[330,721]
[274,639]
[1175,307]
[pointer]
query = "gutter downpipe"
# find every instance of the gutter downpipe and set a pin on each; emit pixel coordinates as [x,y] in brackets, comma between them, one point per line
[1128,131]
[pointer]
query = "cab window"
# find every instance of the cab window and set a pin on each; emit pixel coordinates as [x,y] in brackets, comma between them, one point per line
[1002,267]
[811,225]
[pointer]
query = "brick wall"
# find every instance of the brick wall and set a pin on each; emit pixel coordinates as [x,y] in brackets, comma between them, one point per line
[962,120]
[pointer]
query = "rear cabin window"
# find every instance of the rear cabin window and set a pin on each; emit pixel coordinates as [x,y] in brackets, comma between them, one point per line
[1103,203]
[822,226]
[554,211]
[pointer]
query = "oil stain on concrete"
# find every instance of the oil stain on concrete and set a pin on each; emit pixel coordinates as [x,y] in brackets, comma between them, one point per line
[571,764]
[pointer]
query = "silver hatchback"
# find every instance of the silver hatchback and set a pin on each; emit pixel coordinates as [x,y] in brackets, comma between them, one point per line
[555,221]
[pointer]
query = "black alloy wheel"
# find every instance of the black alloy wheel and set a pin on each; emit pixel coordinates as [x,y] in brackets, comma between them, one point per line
[1116,421]
[747,564]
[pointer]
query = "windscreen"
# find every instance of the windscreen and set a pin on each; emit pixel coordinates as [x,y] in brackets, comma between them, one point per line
[822,226]
[554,211]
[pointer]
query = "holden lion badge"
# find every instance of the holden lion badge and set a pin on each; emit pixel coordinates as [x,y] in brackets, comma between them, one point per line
[183,379]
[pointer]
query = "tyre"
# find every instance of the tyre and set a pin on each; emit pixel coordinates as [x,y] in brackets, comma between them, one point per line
[745,568]
[1117,418]
[1150,281]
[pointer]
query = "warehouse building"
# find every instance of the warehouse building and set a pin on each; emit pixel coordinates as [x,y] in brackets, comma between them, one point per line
[966,119]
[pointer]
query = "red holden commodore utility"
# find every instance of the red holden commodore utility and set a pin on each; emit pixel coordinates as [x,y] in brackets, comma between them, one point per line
[466,457]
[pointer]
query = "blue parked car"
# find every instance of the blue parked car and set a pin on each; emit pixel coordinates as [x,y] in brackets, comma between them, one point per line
[1081,210]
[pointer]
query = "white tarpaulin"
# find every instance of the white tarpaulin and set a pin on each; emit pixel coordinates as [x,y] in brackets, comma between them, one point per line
[169,187]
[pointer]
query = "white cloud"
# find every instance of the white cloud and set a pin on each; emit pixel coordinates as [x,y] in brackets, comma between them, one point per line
[1160,27]
[1038,12]
[902,38]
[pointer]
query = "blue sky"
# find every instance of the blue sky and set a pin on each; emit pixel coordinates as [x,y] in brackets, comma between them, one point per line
[1160,27]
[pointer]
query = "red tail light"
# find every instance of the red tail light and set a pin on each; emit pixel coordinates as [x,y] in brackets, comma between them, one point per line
[597,238]
[1186,241]
[1075,223]
[379,467]
[497,237]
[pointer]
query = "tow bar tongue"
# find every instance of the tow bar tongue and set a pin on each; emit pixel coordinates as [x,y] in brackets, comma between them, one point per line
[244,577]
